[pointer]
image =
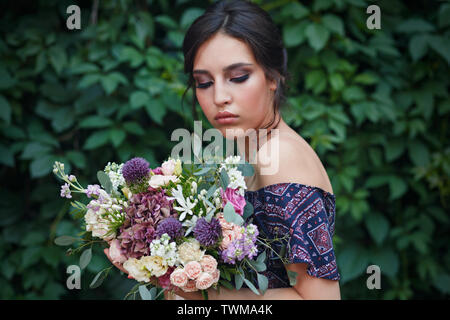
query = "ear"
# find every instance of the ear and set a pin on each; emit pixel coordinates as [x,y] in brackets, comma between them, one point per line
[273,85]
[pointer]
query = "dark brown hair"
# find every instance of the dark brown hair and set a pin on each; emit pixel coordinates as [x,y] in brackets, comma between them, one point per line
[249,23]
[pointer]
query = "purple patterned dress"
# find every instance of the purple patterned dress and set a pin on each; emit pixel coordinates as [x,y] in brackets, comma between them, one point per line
[302,217]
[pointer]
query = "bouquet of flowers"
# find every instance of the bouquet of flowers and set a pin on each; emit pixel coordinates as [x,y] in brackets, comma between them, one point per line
[174,226]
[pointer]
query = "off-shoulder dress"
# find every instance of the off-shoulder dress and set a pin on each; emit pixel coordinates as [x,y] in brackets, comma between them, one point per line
[302,218]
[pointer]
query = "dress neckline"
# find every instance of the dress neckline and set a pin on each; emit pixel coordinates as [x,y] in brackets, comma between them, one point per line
[294,183]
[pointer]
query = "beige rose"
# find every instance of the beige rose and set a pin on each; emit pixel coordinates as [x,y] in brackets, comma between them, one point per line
[190,251]
[135,269]
[156,265]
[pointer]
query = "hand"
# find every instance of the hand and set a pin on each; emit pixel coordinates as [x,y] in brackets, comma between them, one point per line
[196,295]
[153,280]
[118,265]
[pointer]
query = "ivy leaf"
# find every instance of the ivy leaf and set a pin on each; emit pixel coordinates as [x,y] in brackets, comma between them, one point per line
[97,139]
[5,110]
[333,23]
[294,34]
[418,46]
[139,99]
[415,25]
[378,227]
[317,36]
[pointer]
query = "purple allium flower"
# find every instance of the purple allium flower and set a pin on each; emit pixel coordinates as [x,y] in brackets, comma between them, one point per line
[143,214]
[135,170]
[172,227]
[92,190]
[65,191]
[207,233]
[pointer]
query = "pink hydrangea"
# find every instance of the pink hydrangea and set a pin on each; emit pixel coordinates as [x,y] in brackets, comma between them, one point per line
[143,214]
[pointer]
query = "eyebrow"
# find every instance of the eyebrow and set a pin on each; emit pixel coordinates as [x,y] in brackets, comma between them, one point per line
[226,69]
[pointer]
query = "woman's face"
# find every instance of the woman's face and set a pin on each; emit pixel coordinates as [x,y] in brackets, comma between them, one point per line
[242,90]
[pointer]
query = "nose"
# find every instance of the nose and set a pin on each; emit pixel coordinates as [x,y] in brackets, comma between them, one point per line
[221,94]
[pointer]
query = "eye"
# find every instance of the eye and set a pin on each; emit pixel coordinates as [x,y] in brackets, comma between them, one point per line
[238,80]
[203,85]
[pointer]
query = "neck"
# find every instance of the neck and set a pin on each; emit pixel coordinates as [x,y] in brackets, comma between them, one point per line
[262,136]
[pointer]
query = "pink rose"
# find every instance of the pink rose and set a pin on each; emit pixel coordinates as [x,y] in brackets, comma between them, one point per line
[193,269]
[229,236]
[204,281]
[115,252]
[224,223]
[216,275]
[233,196]
[190,286]
[208,263]
[179,278]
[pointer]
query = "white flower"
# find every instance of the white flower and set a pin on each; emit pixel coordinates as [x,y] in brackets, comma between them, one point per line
[190,251]
[165,249]
[159,180]
[236,179]
[168,167]
[185,205]
[136,269]
[114,171]
[190,223]
[194,187]
[155,264]
[97,224]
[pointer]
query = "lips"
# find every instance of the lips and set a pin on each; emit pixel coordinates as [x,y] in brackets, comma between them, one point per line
[224,115]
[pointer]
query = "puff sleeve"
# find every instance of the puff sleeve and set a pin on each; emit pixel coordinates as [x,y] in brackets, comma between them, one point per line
[310,218]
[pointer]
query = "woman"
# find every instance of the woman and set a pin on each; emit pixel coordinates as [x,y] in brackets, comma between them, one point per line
[235,57]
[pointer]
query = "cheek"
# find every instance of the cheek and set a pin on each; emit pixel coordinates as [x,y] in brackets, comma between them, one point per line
[252,101]
[206,105]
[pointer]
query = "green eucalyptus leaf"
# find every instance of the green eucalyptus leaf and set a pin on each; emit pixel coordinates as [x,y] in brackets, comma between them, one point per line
[252,287]
[65,240]
[85,258]
[144,293]
[263,283]
[104,180]
[238,280]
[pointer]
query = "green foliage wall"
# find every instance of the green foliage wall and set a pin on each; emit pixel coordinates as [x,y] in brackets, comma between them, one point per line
[374,104]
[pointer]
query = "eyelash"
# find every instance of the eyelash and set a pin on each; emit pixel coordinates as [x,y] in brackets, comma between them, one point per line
[238,80]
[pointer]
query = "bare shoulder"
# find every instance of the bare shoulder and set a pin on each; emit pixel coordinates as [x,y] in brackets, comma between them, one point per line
[291,159]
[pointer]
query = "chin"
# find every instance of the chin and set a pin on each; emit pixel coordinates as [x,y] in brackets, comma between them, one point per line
[232,132]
